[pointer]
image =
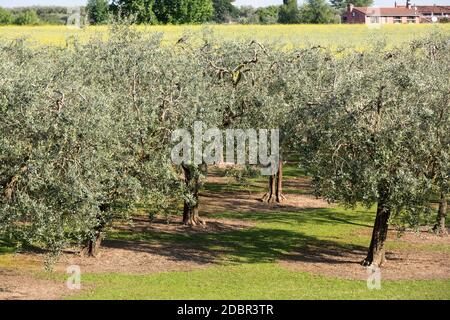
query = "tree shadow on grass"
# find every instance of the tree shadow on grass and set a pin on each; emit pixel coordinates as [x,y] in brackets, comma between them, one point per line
[264,243]
[6,246]
[250,246]
[10,246]
[287,215]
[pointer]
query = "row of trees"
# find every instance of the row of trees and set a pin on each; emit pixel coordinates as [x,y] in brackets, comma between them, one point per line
[221,11]
[85,132]
[316,11]
[185,11]
[313,11]
[160,11]
[36,15]
[19,17]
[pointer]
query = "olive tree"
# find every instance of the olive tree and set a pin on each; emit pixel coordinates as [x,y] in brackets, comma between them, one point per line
[214,89]
[81,138]
[271,109]
[60,152]
[293,79]
[87,131]
[251,74]
[433,83]
[361,135]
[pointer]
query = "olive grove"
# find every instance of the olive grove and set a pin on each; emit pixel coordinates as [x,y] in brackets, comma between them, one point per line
[86,131]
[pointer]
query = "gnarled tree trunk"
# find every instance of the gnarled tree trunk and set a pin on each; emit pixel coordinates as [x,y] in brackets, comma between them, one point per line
[10,185]
[92,247]
[376,254]
[190,210]
[279,197]
[275,193]
[439,227]
[269,196]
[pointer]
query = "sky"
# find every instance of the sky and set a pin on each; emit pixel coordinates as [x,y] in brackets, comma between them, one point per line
[254,3]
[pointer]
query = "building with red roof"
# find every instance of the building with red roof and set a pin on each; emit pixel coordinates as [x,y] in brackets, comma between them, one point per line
[397,14]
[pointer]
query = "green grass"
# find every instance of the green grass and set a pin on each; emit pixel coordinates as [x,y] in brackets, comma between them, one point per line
[293,171]
[275,235]
[247,266]
[256,184]
[252,281]
[420,246]
[6,247]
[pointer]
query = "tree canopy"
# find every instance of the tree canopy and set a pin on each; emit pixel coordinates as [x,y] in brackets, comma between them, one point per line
[316,11]
[183,11]
[98,11]
[165,11]
[289,12]
[342,4]
[27,17]
[5,16]
[224,10]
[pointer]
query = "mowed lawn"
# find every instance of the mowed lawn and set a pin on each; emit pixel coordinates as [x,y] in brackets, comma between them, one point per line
[248,261]
[283,36]
[250,268]
[253,281]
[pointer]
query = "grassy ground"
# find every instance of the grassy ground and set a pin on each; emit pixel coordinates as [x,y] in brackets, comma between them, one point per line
[6,247]
[285,36]
[248,265]
[253,281]
[245,264]
[249,268]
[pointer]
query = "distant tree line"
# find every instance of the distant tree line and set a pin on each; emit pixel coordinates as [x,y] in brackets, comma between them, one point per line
[185,11]
[36,15]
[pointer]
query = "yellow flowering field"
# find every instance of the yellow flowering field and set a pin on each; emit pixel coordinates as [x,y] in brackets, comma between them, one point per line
[287,36]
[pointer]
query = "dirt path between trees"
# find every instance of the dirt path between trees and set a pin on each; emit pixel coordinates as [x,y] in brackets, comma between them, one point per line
[402,264]
[20,286]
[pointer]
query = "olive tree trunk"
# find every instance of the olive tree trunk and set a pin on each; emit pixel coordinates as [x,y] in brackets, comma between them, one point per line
[376,255]
[439,227]
[279,197]
[93,244]
[275,193]
[190,210]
